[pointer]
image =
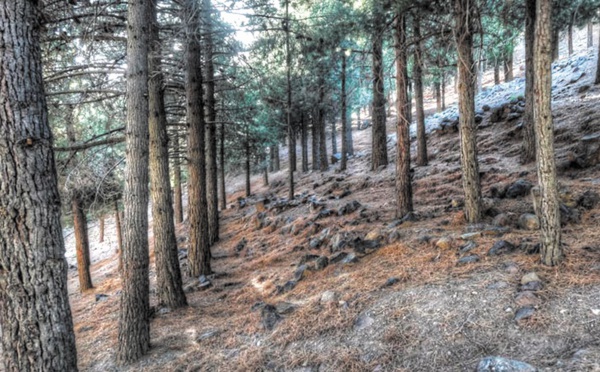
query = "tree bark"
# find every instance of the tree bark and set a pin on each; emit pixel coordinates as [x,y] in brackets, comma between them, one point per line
[597,80]
[222,168]
[349,141]
[37,327]
[199,248]
[555,44]
[101,222]
[570,38]
[438,97]
[177,180]
[82,244]
[528,145]
[212,195]
[134,325]
[344,159]
[443,91]
[119,231]
[590,34]
[288,107]
[508,68]
[315,134]
[247,164]
[304,144]
[169,285]
[496,73]
[379,141]
[418,79]
[334,149]
[551,250]
[404,203]
[464,10]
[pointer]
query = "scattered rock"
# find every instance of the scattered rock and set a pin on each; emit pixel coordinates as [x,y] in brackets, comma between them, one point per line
[529,221]
[498,285]
[391,281]
[520,188]
[364,321]
[324,213]
[329,296]
[501,247]
[338,257]
[373,235]
[207,335]
[308,258]
[204,282]
[338,242]
[468,247]
[100,297]
[497,115]
[299,273]
[468,259]
[524,313]
[589,199]
[532,286]
[321,263]
[287,287]
[350,259]
[284,307]
[499,364]
[486,108]
[362,246]
[502,220]
[527,298]
[444,243]
[269,317]
[241,245]
[530,277]
[315,243]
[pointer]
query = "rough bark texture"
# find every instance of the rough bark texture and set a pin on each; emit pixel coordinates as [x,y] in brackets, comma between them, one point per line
[82,244]
[464,10]
[551,250]
[212,195]
[379,141]
[315,134]
[275,159]
[37,327]
[334,149]
[178,194]
[438,97]
[169,285]
[528,145]
[496,73]
[590,34]
[570,38]
[344,159]
[288,106]
[247,165]
[304,144]
[119,231]
[404,202]
[223,192]
[508,69]
[199,248]
[418,79]
[101,228]
[597,80]
[555,44]
[134,325]
[349,140]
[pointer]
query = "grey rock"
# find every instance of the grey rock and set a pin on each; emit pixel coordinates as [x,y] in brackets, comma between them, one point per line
[321,263]
[524,313]
[468,247]
[329,296]
[241,245]
[468,259]
[269,317]
[520,188]
[499,364]
[284,307]
[100,297]
[349,208]
[299,273]
[498,285]
[350,259]
[529,221]
[315,243]
[532,286]
[501,247]
[338,257]
[589,199]
[391,281]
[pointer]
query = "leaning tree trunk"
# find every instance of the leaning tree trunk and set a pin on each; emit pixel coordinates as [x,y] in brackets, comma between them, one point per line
[177,180]
[169,285]
[82,244]
[212,194]
[379,140]
[551,250]
[37,327]
[528,145]
[134,324]
[404,203]
[199,247]
[344,158]
[418,79]
[464,10]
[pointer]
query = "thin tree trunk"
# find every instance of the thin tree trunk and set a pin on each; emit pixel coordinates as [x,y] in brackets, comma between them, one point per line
[134,325]
[247,165]
[344,130]
[212,194]
[288,107]
[551,250]
[169,285]
[37,327]
[590,34]
[199,247]
[266,171]
[82,244]
[496,73]
[418,79]
[508,69]
[409,96]
[222,168]
[177,180]
[315,134]
[379,141]
[292,152]
[443,91]
[570,38]
[275,159]
[438,97]
[118,226]
[334,149]
[528,145]
[304,140]
[597,80]
[349,141]
[101,229]
[404,203]
[555,44]
[323,162]
[464,10]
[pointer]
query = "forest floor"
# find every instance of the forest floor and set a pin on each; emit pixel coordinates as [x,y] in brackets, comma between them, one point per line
[421,294]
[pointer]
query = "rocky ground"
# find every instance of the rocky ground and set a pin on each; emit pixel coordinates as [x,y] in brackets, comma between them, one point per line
[332,281]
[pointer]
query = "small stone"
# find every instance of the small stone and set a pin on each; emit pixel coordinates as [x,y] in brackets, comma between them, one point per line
[530,277]
[100,297]
[524,313]
[284,307]
[329,296]
[498,285]
[499,364]
[532,286]
[501,247]
[486,108]
[349,208]
[204,282]
[468,259]
[287,287]
[502,220]
[321,263]
[391,281]
[468,247]
[241,245]
[470,236]
[527,298]
[338,257]
[299,273]
[269,317]
[308,258]
[207,335]
[373,235]
[444,243]
[529,221]
[315,243]
[350,259]
[520,188]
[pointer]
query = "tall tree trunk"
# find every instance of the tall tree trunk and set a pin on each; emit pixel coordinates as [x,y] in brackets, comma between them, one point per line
[323,162]
[222,167]
[177,180]
[275,157]
[37,327]
[199,247]
[551,250]
[288,107]
[443,91]
[82,244]
[292,152]
[101,222]
[438,97]
[597,80]
[344,158]
[266,171]
[379,142]
[508,68]
[528,145]
[409,96]
[304,140]
[334,149]
[590,34]
[570,38]
[315,134]
[212,194]
[118,226]
[418,79]
[349,141]
[496,73]
[247,165]
[134,325]
[404,203]
[555,44]
[464,10]
[168,274]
